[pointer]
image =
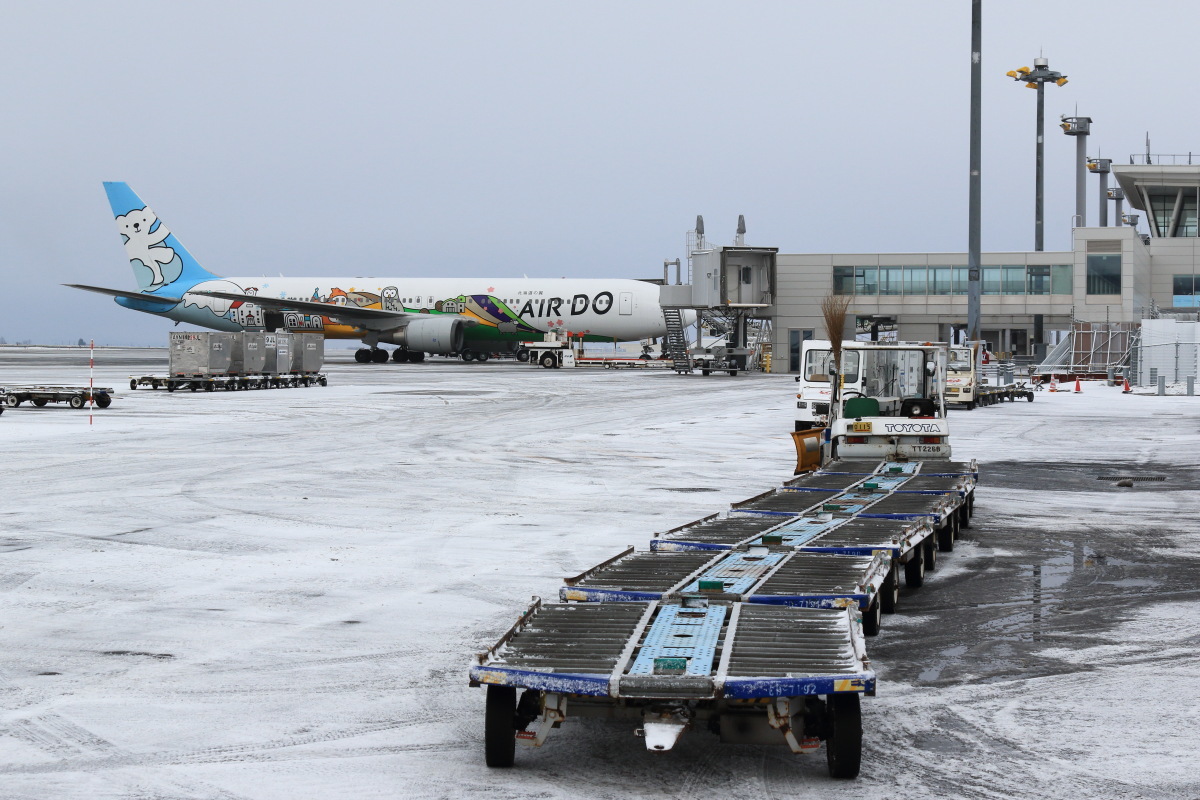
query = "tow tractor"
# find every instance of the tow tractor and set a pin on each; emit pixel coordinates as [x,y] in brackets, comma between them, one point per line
[974,378]
[885,404]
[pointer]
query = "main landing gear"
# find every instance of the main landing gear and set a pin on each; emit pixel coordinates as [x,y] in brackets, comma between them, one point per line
[377,355]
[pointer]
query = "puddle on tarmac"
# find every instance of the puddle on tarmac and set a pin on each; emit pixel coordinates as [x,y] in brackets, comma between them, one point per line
[934,670]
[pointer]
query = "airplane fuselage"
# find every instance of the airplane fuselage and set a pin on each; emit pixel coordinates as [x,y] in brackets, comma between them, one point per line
[502,310]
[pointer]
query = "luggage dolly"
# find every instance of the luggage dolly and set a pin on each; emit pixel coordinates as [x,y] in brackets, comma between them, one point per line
[750,673]
[754,574]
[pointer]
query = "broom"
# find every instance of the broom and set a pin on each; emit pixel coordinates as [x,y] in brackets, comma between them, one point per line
[833,309]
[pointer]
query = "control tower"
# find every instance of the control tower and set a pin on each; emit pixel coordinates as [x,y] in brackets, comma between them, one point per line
[1166,192]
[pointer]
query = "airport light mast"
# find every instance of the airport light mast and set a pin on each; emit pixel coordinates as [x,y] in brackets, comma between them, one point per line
[1037,78]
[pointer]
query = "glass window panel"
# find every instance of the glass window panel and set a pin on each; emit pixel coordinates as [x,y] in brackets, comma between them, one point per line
[889,280]
[816,366]
[962,280]
[1014,279]
[1187,220]
[1037,279]
[794,351]
[843,280]
[1062,278]
[914,280]
[1161,206]
[991,280]
[1103,273]
[1185,291]
[849,366]
[939,280]
[866,280]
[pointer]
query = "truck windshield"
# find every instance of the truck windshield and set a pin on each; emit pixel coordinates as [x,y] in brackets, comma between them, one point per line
[960,359]
[817,366]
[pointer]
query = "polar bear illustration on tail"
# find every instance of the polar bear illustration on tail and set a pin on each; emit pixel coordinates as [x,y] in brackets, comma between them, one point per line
[145,245]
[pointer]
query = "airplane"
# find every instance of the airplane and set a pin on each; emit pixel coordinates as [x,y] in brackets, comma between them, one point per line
[466,317]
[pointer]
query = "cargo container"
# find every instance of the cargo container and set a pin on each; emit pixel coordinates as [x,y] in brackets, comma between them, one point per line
[279,353]
[254,352]
[308,353]
[205,353]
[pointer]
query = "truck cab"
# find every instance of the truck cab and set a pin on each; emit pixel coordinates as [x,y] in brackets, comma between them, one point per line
[886,403]
[814,386]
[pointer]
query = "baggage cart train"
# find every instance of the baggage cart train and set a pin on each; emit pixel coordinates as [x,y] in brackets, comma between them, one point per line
[751,623]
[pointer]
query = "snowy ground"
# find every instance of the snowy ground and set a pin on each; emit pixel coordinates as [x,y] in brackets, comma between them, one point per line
[276,594]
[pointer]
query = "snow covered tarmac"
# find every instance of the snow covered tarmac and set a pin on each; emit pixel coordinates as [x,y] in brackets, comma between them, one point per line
[276,594]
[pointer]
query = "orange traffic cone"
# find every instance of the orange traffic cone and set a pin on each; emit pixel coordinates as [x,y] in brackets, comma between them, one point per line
[1078,388]
[1127,389]
[1054,383]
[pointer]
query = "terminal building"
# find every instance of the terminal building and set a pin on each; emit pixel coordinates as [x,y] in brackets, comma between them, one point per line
[1111,279]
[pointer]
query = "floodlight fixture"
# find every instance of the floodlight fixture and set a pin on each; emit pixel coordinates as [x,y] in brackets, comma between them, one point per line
[1037,78]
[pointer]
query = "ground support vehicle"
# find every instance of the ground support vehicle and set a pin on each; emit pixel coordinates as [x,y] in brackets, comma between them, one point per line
[551,354]
[718,359]
[74,396]
[751,673]
[225,383]
[748,574]
[974,379]
[606,362]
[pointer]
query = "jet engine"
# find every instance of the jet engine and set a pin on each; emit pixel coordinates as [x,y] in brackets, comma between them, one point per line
[437,335]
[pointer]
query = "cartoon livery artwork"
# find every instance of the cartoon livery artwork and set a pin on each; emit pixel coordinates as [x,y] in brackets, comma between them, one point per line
[402,312]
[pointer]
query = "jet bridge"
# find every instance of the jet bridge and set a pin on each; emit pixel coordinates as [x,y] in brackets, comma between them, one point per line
[729,288]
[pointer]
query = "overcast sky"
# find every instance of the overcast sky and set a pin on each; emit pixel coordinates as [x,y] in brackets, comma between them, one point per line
[542,138]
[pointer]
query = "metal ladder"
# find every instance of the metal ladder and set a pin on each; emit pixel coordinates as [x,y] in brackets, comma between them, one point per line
[675,341]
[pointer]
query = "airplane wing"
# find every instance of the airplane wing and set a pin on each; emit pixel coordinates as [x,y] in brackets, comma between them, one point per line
[151,298]
[370,318]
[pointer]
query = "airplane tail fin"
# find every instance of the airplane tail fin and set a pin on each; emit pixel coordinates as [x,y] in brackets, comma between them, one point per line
[156,256]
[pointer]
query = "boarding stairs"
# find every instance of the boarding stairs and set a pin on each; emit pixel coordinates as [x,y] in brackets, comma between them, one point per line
[675,342]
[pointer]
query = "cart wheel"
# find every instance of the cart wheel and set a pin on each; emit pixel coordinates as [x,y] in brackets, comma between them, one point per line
[733,373]
[914,570]
[843,745]
[170,386]
[889,593]
[871,619]
[1029,397]
[706,372]
[323,381]
[499,728]
[132,384]
[192,386]
[930,547]
[945,534]
[548,361]
[208,387]
[103,400]
[39,401]
[12,401]
[76,401]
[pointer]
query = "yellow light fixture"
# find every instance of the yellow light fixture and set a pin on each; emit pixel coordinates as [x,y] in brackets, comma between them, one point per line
[1031,85]
[1061,81]
[1012,73]
[1023,70]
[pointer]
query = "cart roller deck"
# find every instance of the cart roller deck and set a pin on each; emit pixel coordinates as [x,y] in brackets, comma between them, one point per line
[753,672]
[752,575]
